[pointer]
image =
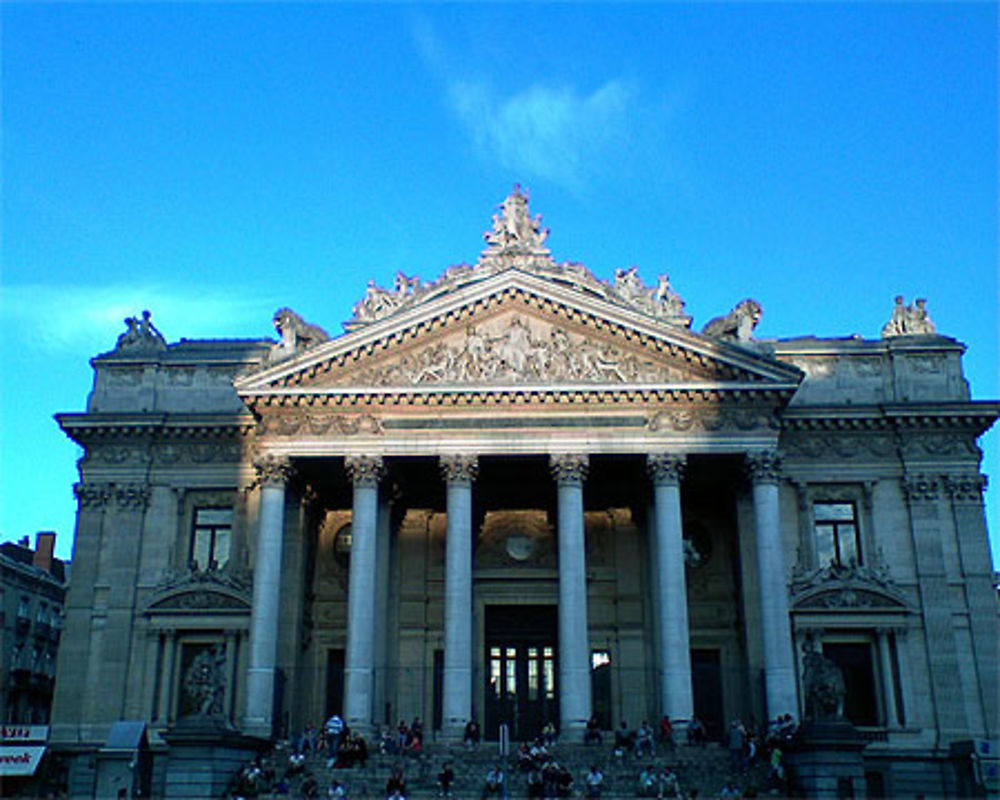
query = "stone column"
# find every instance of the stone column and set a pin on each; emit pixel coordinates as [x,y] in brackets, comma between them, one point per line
[273,474]
[459,472]
[676,696]
[888,684]
[359,667]
[779,671]
[167,677]
[569,472]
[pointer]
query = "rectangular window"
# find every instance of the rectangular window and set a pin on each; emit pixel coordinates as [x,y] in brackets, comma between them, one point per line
[211,538]
[835,525]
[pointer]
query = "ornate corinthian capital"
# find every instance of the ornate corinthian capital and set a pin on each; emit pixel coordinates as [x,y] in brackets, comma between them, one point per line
[364,470]
[459,469]
[921,488]
[966,488]
[92,495]
[132,496]
[568,468]
[273,470]
[666,467]
[763,466]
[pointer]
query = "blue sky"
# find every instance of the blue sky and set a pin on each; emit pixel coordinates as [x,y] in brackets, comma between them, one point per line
[214,162]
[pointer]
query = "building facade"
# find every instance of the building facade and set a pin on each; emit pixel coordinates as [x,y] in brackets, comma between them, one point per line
[32,599]
[520,493]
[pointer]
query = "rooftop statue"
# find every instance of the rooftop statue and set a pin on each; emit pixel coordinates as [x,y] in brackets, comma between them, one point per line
[911,320]
[738,324]
[296,335]
[514,229]
[141,335]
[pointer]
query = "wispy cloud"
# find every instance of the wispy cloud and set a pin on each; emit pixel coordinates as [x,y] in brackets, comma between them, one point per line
[554,133]
[90,318]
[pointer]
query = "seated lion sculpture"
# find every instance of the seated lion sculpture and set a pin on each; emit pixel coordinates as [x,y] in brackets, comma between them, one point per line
[296,334]
[738,324]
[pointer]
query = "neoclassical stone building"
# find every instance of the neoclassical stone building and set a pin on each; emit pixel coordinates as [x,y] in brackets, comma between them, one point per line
[521,493]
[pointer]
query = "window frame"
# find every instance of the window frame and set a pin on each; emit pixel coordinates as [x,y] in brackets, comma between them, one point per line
[212,529]
[837,530]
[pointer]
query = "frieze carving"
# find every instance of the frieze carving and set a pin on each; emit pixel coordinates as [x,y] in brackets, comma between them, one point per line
[911,320]
[92,495]
[666,467]
[514,354]
[198,452]
[459,469]
[273,470]
[141,336]
[921,488]
[939,444]
[118,454]
[191,589]
[364,470]
[966,488]
[516,239]
[763,466]
[200,601]
[289,422]
[846,586]
[843,446]
[132,496]
[711,418]
[296,334]
[569,468]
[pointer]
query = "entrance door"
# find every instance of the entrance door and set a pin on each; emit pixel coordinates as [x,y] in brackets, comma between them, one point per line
[706,681]
[520,670]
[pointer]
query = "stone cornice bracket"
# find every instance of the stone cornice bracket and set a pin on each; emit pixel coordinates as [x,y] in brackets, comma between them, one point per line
[92,495]
[763,466]
[459,469]
[569,468]
[132,496]
[921,488]
[966,488]
[364,470]
[666,468]
[273,470]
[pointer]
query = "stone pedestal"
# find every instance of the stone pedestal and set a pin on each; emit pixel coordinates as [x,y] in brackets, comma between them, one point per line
[205,753]
[824,760]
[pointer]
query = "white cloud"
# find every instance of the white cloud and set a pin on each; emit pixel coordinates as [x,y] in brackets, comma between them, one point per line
[547,132]
[57,318]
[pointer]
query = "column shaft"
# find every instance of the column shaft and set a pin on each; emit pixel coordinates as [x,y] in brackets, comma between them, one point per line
[359,668]
[676,696]
[888,685]
[574,645]
[266,601]
[779,671]
[457,699]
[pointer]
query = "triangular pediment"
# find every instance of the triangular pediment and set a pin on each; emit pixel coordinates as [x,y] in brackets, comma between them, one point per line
[516,328]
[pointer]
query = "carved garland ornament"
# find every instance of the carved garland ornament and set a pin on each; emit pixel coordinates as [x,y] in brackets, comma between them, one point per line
[317,423]
[712,418]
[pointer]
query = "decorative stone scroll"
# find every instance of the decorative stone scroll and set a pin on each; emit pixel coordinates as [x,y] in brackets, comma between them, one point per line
[364,470]
[911,320]
[273,470]
[92,495]
[141,336]
[966,488]
[763,466]
[666,467]
[569,468]
[459,469]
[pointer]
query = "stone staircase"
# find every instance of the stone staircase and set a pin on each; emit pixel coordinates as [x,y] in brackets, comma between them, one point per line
[703,768]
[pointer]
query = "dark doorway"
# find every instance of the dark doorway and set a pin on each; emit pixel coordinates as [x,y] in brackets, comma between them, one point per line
[600,687]
[334,682]
[521,668]
[855,662]
[706,682]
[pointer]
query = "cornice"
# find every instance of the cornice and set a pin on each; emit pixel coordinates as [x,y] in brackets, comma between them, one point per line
[87,427]
[973,416]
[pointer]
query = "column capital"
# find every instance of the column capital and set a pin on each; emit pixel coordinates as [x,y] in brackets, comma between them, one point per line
[967,488]
[666,467]
[921,488]
[459,469]
[273,470]
[763,466]
[569,468]
[132,496]
[92,495]
[365,470]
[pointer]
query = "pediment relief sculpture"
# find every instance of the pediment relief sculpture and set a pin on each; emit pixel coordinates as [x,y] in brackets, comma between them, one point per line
[850,586]
[514,349]
[225,590]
